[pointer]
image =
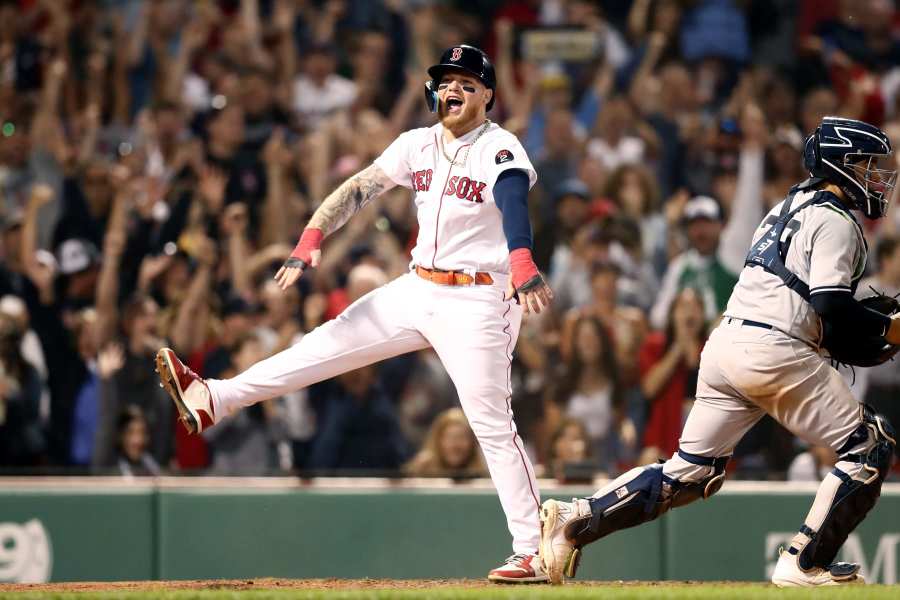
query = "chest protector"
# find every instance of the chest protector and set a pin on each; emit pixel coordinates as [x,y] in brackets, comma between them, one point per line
[770,251]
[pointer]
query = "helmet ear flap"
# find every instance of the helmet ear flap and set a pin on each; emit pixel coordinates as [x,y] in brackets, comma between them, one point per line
[431,95]
[812,158]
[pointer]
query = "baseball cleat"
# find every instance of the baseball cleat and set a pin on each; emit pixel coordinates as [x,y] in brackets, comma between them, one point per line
[788,573]
[188,391]
[558,553]
[519,568]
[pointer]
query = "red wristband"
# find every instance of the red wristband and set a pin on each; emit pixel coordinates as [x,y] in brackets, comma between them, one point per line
[522,267]
[310,240]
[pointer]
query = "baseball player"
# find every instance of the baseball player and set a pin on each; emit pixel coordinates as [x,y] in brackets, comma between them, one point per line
[803,265]
[471,278]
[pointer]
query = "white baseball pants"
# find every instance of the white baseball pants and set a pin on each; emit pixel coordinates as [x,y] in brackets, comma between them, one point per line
[472,329]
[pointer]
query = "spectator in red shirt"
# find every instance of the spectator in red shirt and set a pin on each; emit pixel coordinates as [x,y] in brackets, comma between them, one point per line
[668,362]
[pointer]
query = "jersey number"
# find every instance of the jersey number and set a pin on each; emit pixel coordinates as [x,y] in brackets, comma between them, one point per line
[789,230]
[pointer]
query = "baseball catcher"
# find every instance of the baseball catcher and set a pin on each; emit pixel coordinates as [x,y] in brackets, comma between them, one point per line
[792,309]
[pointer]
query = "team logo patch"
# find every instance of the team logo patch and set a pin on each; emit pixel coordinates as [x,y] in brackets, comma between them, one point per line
[503,156]
[457,54]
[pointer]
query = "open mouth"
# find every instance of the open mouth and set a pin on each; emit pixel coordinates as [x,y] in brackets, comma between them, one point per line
[454,105]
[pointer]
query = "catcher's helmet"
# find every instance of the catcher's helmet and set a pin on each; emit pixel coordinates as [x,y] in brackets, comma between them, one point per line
[468,59]
[856,157]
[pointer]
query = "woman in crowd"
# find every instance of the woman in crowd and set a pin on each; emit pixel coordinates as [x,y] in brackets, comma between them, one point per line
[590,390]
[571,455]
[450,450]
[668,362]
[133,458]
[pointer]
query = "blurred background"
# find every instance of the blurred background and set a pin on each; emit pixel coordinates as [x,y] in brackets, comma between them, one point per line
[158,160]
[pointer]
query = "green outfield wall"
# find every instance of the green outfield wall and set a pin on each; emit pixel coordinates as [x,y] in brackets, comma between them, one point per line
[103,530]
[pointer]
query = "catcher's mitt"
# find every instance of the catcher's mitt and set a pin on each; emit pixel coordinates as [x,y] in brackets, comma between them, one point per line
[846,346]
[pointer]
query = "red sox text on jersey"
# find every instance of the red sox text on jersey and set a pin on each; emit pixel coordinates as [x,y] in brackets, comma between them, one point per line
[461,187]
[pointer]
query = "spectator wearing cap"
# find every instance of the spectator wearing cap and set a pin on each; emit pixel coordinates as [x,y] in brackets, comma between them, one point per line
[79,262]
[716,247]
[698,266]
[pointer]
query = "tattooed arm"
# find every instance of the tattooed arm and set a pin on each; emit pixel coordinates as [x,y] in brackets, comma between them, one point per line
[349,198]
[338,207]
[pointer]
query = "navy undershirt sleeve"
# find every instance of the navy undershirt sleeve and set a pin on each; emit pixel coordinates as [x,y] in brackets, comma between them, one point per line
[841,307]
[511,197]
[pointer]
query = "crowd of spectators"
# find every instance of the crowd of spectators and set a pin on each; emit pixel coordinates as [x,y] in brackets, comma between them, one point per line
[158,160]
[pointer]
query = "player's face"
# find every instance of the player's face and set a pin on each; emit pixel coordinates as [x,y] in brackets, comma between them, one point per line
[877,174]
[463,100]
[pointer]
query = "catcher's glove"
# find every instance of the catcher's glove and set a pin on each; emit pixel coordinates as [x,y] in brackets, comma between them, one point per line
[847,347]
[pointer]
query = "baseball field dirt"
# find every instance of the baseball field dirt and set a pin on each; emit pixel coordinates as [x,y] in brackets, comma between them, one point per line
[442,589]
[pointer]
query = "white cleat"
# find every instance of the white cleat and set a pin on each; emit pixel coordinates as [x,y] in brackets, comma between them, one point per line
[519,568]
[789,574]
[558,553]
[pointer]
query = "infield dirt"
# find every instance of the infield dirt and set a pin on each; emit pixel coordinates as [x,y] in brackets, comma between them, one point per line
[442,589]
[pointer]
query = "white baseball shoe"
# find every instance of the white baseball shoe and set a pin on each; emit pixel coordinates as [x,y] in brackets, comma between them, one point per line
[188,391]
[558,553]
[519,568]
[788,573]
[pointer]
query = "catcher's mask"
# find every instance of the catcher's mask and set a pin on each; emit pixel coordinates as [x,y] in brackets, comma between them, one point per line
[858,158]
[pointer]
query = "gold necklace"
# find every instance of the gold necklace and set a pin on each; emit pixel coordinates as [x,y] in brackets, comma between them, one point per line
[452,162]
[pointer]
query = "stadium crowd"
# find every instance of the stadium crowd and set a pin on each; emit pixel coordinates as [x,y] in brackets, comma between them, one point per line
[158,160]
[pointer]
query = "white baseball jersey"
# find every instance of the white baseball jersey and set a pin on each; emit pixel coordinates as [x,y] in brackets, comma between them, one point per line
[460,226]
[473,328]
[827,252]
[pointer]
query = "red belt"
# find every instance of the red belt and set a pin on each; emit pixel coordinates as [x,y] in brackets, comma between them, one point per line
[453,277]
